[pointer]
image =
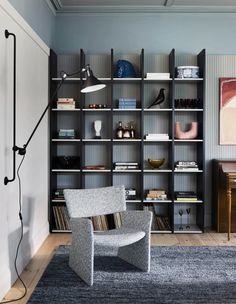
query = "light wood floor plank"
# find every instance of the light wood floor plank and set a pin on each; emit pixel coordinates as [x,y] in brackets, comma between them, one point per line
[36,267]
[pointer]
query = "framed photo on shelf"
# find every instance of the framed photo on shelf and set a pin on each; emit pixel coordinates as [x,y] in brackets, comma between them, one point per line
[227,111]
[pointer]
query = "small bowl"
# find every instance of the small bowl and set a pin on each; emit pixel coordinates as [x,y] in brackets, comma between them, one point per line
[156,163]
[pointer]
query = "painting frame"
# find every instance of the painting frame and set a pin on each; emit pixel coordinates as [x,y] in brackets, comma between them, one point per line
[227,111]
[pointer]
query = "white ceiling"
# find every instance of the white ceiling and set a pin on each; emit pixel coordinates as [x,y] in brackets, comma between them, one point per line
[110,6]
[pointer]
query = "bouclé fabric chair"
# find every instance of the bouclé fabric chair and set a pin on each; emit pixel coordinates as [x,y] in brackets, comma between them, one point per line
[132,238]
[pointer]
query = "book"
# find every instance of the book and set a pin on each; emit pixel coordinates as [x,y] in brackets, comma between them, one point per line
[157,75]
[126,164]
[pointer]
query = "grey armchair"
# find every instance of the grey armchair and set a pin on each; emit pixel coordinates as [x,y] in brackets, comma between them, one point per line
[132,238]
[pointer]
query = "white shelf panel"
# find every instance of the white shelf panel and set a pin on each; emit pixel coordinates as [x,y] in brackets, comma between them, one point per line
[193,229]
[97,110]
[188,140]
[65,110]
[157,110]
[96,140]
[157,79]
[188,79]
[60,231]
[188,171]
[126,140]
[65,170]
[96,171]
[188,110]
[133,201]
[157,170]
[127,171]
[127,110]
[58,201]
[127,79]
[157,140]
[161,231]
[67,79]
[65,140]
[188,202]
[157,201]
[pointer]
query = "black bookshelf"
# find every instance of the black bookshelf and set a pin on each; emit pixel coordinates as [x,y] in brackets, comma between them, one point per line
[111,150]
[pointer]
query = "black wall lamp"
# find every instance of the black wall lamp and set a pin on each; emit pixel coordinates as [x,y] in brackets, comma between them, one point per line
[90,84]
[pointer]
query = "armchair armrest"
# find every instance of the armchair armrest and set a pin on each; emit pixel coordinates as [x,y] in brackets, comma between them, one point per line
[137,219]
[82,228]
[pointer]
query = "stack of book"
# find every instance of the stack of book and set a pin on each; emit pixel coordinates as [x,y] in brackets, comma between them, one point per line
[158,75]
[127,103]
[186,165]
[66,133]
[65,104]
[126,166]
[186,196]
[157,136]
[100,223]
[117,220]
[61,217]
[156,194]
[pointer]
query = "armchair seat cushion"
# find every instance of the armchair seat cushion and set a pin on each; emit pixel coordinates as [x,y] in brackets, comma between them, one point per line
[118,237]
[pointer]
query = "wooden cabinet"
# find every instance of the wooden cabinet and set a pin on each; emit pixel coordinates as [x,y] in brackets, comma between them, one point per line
[219,195]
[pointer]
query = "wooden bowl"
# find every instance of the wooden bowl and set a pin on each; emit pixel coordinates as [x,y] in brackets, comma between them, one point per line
[156,163]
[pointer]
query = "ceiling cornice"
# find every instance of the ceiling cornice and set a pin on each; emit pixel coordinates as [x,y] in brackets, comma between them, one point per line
[51,7]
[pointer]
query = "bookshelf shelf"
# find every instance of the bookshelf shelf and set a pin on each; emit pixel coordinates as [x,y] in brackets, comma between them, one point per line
[110,150]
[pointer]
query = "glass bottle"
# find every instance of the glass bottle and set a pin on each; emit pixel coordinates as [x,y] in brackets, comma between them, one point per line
[119,130]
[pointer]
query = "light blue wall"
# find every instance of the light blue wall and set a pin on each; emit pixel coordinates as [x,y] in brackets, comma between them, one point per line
[39,17]
[187,33]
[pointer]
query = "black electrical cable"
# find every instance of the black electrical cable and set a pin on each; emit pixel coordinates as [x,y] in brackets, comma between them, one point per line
[20,240]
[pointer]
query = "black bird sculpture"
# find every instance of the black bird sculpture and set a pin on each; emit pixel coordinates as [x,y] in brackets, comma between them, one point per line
[159,99]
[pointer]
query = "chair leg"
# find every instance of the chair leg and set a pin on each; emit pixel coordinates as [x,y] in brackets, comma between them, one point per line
[137,254]
[81,259]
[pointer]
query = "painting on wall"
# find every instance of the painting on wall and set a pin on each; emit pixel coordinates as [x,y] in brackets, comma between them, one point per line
[227,111]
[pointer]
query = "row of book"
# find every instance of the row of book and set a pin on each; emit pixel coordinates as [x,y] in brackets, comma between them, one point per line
[61,217]
[67,134]
[127,103]
[159,222]
[186,165]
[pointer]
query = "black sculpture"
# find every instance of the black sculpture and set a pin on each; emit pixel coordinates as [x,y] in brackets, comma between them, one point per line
[160,98]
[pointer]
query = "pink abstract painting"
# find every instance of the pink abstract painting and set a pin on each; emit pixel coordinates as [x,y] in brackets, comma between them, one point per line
[227,111]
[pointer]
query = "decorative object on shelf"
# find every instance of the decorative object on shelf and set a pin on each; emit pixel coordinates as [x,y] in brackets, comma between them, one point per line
[119,131]
[186,165]
[190,134]
[132,129]
[227,111]
[156,163]
[97,106]
[159,99]
[156,194]
[125,69]
[187,103]
[97,127]
[130,194]
[187,72]
[126,132]
[127,103]
[66,162]
[181,212]
[188,210]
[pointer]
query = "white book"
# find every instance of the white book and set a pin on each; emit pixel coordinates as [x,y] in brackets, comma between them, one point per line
[158,75]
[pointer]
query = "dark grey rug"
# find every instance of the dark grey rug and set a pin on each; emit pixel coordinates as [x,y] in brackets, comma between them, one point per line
[179,275]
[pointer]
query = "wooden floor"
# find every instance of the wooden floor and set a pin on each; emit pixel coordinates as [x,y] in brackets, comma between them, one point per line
[39,262]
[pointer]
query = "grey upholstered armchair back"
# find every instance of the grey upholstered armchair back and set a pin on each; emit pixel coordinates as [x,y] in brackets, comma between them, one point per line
[92,202]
